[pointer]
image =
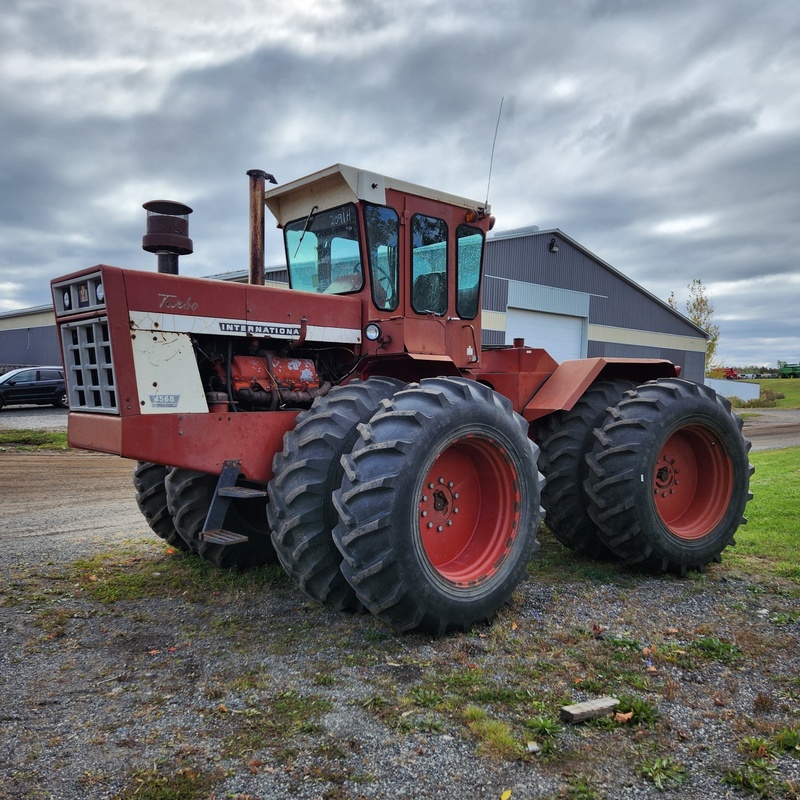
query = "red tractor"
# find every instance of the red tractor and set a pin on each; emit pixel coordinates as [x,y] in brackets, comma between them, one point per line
[354,428]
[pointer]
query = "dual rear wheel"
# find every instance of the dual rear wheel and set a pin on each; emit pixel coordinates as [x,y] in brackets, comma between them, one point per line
[656,475]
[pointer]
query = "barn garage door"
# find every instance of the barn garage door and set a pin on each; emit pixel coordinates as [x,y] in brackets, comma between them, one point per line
[560,335]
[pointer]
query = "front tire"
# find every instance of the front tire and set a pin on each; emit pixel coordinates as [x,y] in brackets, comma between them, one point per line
[189,496]
[439,506]
[151,497]
[61,401]
[300,510]
[669,476]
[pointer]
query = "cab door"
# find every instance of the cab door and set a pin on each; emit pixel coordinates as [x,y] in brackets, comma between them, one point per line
[443,310]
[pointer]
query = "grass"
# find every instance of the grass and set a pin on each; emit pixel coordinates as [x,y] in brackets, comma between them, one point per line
[788,387]
[134,575]
[770,541]
[25,440]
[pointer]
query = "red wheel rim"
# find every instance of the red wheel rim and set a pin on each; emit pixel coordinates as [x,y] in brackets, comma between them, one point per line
[692,482]
[469,510]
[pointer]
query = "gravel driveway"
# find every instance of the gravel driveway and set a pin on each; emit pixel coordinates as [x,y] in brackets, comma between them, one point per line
[131,671]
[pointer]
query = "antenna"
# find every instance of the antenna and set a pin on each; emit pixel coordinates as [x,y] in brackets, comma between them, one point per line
[491,159]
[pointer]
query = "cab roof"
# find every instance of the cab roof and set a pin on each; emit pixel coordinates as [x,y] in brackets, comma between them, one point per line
[340,184]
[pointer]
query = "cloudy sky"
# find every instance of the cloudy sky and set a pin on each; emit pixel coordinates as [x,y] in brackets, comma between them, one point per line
[663,136]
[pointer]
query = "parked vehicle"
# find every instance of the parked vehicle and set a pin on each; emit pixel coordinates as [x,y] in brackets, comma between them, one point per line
[33,386]
[354,427]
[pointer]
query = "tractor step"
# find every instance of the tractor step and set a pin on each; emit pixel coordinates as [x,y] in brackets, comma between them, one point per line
[220,536]
[240,492]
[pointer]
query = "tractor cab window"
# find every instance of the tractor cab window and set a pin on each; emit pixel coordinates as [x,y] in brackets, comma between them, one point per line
[428,264]
[322,251]
[382,232]
[468,270]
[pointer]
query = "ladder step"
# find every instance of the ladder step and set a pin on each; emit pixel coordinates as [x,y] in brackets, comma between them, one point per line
[240,492]
[222,537]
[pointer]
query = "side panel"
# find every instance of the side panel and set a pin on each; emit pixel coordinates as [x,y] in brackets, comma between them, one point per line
[166,373]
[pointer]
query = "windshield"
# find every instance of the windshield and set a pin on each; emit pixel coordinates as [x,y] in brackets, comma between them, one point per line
[323,253]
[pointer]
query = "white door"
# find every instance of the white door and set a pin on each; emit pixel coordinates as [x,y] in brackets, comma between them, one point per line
[560,335]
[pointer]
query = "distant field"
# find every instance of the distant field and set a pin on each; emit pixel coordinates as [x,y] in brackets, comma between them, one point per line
[790,387]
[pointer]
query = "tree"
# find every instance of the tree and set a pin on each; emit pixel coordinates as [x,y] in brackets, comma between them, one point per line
[700,310]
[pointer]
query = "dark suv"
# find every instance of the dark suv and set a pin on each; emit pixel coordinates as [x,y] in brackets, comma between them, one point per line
[34,385]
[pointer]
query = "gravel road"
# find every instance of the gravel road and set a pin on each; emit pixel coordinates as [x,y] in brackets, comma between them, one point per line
[141,670]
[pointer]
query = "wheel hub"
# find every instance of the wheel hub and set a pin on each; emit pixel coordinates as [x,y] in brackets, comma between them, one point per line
[438,503]
[666,477]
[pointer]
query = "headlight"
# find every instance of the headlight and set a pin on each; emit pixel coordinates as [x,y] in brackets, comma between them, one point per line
[372,332]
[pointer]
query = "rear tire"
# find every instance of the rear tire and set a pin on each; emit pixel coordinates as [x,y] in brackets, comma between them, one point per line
[151,497]
[300,510]
[439,506]
[565,439]
[189,496]
[669,476]
[61,401]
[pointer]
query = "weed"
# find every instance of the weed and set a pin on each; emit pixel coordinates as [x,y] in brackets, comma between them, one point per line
[789,739]
[623,643]
[784,617]
[644,713]
[427,698]
[422,724]
[756,747]
[763,703]
[579,788]
[663,772]
[543,727]
[496,739]
[474,714]
[754,777]
[374,704]
[715,649]
[187,784]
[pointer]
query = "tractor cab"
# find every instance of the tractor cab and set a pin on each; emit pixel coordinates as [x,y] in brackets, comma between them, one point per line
[414,257]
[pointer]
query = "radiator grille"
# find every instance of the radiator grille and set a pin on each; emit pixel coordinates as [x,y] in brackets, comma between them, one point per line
[89,370]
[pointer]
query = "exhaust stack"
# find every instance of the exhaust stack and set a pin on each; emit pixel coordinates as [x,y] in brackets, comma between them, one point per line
[257,181]
[167,233]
